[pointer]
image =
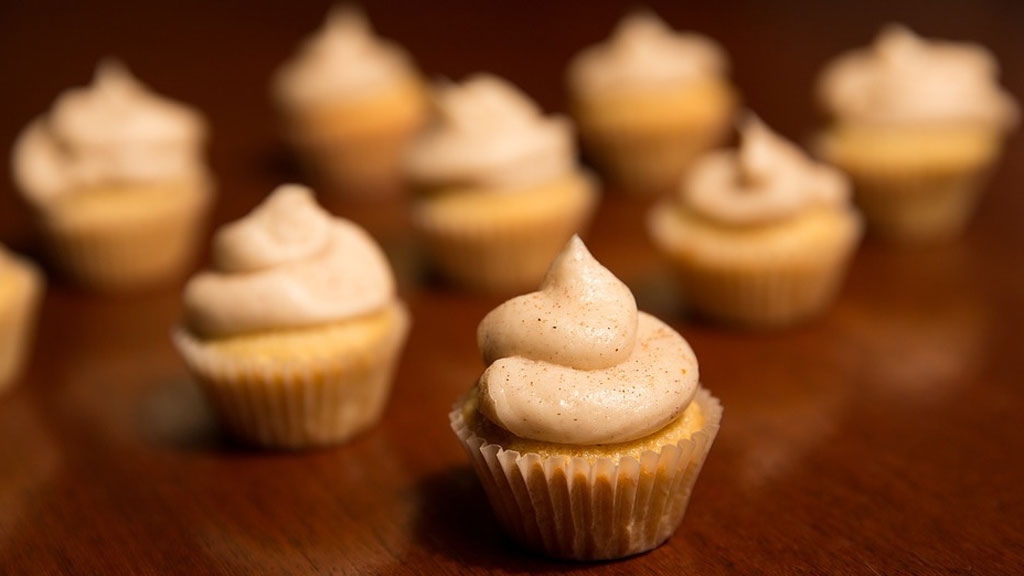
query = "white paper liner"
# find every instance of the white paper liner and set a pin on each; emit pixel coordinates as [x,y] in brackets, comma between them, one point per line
[651,165]
[297,403]
[502,258]
[924,208]
[362,169]
[645,160]
[119,256]
[574,509]
[762,289]
[18,319]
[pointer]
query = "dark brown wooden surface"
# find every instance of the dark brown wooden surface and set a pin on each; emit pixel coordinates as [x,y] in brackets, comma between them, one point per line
[885,437]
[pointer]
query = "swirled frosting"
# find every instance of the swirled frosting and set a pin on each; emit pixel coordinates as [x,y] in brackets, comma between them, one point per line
[344,59]
[288,264]
[115,130]
[644,51]
[906,79]
[767,178]
[576,363]
[488,134]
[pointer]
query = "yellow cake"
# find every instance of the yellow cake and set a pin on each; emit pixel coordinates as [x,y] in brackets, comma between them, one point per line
[295,335]
[350,102]
[918,126]
[760,236]
[649,101]
[498,188]
[115,179]
[588,428]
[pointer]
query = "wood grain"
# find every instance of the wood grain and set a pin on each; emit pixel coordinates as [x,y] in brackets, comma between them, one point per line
[882,438]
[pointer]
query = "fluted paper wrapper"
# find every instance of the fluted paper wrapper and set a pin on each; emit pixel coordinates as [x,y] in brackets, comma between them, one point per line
[648,166]
[650,158]
[360,168]
[759,290]
[501,258]
[17,320]
[301,403]
[761,297]
[126,255]
[925,208]
[575,509]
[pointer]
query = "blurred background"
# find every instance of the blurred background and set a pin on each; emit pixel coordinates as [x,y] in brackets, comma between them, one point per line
[219,57]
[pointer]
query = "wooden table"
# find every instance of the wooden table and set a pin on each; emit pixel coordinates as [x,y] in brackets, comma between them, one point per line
[883,438]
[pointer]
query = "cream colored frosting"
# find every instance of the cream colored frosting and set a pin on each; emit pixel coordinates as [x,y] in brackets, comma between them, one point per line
[488,134]
[906,79]
[288,264]
[644,51]
[767,178]
[577,363]
[344,59]
[115,130]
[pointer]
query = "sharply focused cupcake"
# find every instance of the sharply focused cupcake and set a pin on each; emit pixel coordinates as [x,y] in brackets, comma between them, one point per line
[350,102]
[650,100]
[760,235]
[116,179]
[296,332]
[918,125]
[21,291]
[499,189]
[589,426]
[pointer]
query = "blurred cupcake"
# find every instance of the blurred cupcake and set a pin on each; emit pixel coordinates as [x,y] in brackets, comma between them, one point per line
[760,235]
[918,125]
[350,102]
[588,428]
[649,100]
[499,189]
[21,291]
[116,179]
[295,334]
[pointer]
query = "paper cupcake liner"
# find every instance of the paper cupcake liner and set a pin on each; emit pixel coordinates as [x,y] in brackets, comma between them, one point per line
[297,403]
[649,166]
[644,155]
[500,257]
[18,319]
[125,255]
[762,297]
[355,147]
[921,208]
[760,289]
[575,509]
[358,169]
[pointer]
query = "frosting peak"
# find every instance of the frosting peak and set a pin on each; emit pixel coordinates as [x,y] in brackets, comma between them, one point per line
[576,363]
[287,226]
[644,51]
[906,79]
[487,133]
[767,178]
[585,317]
[344,59]
[114,130]
[288,264]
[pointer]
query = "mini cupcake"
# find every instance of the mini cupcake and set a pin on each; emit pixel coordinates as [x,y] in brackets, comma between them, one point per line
[115,177]
[499,190]
[588,428]
[650,100]
[917,125]
[295,334]
[760,236]
[350,103]
[21,291]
